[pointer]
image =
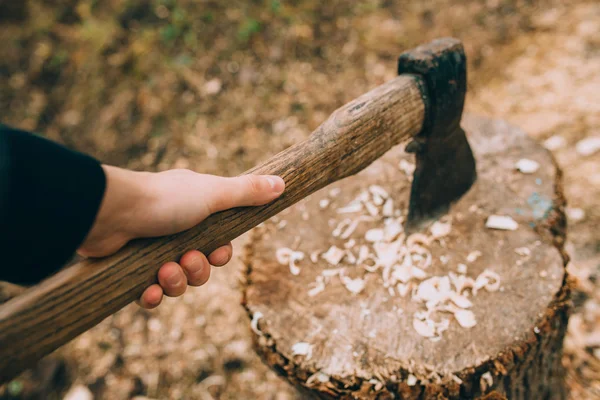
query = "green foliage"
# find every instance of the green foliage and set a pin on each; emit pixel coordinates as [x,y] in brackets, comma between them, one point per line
[169,33]
[276,6]
[15,387]
[248,28]
[207,17]
[59,58]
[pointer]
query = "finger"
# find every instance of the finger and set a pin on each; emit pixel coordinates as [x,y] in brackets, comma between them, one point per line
[221,256]
[196,267]
[246,190]
[151,297]
[172,279]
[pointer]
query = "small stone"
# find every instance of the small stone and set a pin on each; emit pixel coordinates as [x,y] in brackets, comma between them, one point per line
[588,146]
[501,222]
[575,214]
[555,142]
[213,86]
[79,392]
[324,203]
[527,166]
[411,380]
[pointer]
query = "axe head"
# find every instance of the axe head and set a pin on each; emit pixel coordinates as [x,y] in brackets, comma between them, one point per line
[445,166]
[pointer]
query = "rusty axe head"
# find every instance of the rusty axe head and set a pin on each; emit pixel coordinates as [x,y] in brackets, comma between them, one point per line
[445,167]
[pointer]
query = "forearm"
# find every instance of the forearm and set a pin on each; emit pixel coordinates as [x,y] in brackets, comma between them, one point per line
[49,197]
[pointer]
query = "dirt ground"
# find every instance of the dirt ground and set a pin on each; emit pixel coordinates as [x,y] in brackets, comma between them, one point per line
[219,86]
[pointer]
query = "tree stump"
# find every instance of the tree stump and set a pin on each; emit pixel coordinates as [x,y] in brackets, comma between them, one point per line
[337,331]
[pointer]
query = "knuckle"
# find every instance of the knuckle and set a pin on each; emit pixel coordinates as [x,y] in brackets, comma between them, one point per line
[253,184]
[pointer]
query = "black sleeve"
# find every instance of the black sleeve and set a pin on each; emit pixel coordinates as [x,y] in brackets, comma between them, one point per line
[49,197]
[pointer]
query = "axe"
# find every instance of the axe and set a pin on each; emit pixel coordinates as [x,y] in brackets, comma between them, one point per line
[422,105]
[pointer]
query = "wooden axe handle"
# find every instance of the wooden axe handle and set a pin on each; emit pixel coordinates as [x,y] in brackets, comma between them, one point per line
[67,304]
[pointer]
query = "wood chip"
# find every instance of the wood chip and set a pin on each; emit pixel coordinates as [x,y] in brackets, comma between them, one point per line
[440,229]
[388,208]
[465,318]
[302,349]
[334,255]
[486,381]
[374,235]
[254,323]
[501,222]
[353,285]
[377,190]
[473,256]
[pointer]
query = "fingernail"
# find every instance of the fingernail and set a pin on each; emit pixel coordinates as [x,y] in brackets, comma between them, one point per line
[277,184]
[174,279]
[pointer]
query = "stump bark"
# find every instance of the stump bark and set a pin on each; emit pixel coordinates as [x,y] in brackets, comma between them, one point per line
[364,346]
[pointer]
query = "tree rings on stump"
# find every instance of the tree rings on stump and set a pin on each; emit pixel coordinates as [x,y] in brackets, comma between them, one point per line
[470,306]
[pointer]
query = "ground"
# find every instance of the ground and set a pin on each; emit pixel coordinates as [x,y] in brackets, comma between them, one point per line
[219,86]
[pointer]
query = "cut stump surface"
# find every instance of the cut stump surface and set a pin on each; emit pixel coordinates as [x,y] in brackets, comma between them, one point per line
[339,344]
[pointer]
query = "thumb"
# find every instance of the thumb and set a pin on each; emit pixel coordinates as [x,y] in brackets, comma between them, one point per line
[245,190]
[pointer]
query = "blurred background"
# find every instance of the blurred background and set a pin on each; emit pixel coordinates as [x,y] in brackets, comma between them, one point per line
[218,86]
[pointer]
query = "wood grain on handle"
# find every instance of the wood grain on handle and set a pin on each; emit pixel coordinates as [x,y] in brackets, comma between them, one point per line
[79,297]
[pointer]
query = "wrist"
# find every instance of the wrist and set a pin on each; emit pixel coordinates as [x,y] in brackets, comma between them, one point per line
[125,198]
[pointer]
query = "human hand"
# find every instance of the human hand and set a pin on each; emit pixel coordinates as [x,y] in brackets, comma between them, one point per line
[143,204]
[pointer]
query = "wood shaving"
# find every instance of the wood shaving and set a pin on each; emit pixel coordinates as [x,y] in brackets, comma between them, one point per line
[353,207]
[318,286]
[314,256]
[350,244]
[461,268]
[424,328]
[288,256]
[388,208]
[372,209]
[324,203]
[407,167]
[353,285]
[377,190]
[374,235]
[501,222]
[341,227]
